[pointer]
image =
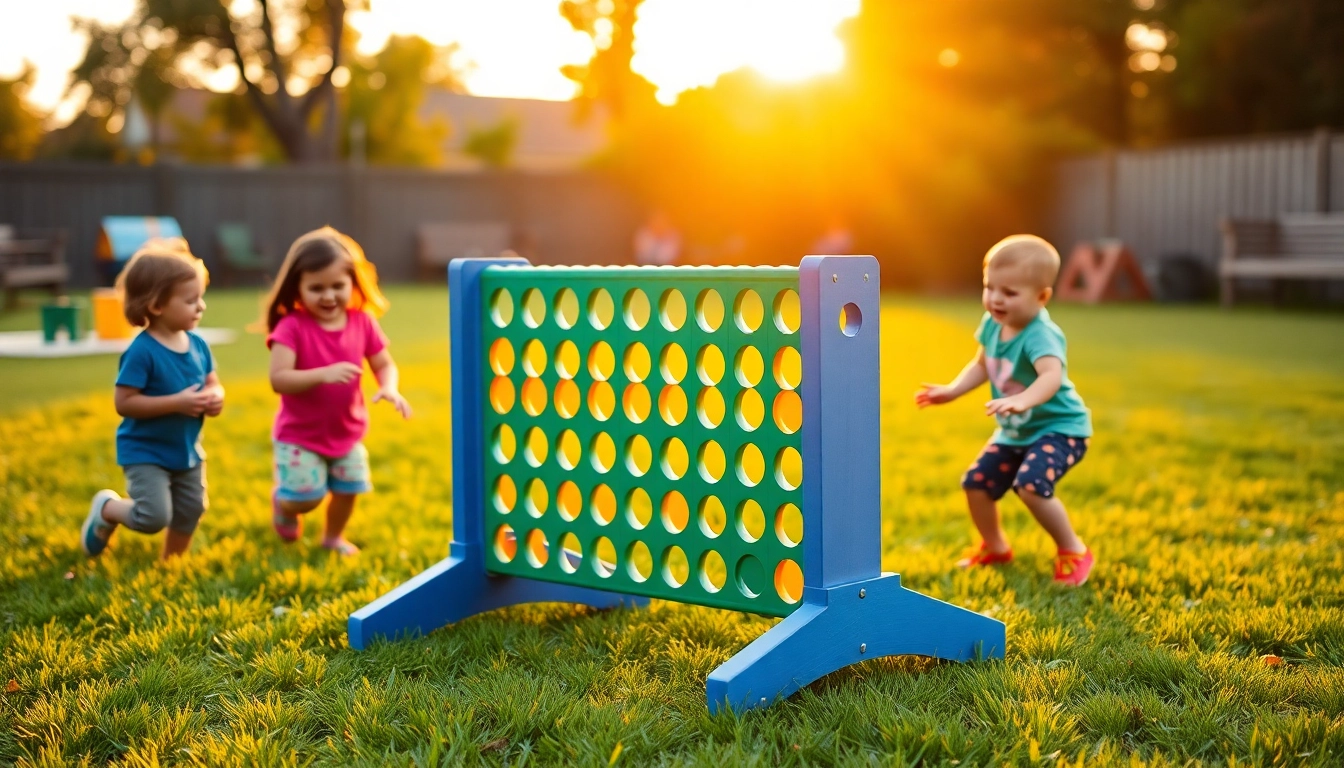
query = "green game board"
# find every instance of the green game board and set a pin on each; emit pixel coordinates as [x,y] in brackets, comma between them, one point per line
[643,431]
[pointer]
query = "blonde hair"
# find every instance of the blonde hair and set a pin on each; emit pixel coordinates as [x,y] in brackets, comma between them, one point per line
[152,274]
[1038,257]
[316,251]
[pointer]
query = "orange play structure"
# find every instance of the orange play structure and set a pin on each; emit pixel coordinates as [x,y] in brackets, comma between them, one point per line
[1104,271]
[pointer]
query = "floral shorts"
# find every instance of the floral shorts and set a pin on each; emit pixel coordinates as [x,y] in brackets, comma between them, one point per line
[1034,468]
[301,475]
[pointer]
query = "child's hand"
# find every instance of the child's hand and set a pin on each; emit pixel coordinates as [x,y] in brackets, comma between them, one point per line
[1006,405]
[394,397]
[933,394]
[192,401]
[215,405]
[341,373]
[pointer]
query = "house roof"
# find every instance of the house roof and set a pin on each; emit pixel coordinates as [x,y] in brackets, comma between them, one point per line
[550,135]
[549,132]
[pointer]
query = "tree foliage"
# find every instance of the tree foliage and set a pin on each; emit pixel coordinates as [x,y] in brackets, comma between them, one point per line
[607,79]
[494,146]
[928,144]
[20,123]
[384,96]
[938,136]
[285,54]
[1253,66]
[229,132]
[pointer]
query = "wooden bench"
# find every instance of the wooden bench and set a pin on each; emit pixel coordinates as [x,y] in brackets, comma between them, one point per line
[441,242]
[1295,246]
[32,260]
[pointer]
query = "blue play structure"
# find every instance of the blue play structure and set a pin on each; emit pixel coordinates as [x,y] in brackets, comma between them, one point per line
[119,237]
[699,434]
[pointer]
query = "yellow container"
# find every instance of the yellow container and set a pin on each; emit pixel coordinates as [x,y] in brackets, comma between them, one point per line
[109,322]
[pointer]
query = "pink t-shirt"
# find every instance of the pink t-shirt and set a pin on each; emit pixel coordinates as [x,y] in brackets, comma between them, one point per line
[328,419]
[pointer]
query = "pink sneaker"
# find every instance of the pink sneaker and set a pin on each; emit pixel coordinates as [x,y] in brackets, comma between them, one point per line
[1073,568]
[983,556]
[287,527]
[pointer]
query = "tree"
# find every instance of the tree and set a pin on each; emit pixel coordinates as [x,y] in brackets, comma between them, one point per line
[20,123]
[940,135]
[493,146]
[285,57]
[929,145]
[384,96]
[607,78]
[229,131]
[1245,66]
[119,66]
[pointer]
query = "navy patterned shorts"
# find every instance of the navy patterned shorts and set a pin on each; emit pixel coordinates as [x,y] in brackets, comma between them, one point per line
[1035,468]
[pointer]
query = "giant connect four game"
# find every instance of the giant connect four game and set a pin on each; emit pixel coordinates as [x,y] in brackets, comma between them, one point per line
[703,435]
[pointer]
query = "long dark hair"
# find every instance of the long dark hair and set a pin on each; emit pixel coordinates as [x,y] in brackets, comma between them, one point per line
[314,252]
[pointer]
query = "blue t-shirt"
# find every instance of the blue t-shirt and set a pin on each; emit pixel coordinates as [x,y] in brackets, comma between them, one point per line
[1011,367]
[172,441]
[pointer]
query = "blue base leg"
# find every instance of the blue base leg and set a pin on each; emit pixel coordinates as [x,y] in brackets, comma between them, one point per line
[456,588]
[836,627]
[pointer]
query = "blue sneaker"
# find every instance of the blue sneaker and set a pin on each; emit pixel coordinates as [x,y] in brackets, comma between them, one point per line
[94,524]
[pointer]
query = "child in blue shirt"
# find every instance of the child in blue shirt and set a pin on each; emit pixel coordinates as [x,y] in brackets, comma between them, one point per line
[165,388]
[1044,428]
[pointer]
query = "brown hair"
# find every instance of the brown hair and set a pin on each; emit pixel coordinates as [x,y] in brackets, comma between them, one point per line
[1039,257]
[316,251]
[152,274]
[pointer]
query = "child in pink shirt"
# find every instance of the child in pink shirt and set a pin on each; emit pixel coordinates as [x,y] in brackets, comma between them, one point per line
[320,318]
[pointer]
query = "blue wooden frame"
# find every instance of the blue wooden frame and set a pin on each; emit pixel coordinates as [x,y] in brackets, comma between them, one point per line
[851,611]
[458,586]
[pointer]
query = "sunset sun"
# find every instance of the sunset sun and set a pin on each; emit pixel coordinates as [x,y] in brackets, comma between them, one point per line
[682,44]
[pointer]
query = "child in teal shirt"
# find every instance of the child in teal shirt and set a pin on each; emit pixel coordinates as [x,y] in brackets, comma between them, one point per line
[1044,428]
[165,388]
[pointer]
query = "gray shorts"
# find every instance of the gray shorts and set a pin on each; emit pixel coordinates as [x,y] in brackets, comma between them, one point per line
[164,498]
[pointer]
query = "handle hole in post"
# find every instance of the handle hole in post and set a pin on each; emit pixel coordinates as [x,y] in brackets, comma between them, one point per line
[851,319]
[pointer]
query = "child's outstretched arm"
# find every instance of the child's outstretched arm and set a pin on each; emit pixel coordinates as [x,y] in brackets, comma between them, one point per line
[286,380]
[972,376]
[1049,375]
[385,370]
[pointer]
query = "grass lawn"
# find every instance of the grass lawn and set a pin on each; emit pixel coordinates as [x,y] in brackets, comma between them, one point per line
[1213,495]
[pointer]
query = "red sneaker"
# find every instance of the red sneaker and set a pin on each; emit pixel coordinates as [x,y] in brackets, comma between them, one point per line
[983,556]
[1073,568]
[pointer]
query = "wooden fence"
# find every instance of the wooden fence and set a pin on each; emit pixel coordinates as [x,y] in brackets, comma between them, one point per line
[1168,202]
[561,218]
[1162,202]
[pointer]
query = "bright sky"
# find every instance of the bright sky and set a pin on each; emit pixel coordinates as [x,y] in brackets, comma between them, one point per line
[513,47]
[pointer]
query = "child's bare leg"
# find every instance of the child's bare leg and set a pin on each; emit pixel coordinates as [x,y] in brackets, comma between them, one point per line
[175,543]
[985,515]
[1052,516]
[294,508]
[118,510]
[339,510]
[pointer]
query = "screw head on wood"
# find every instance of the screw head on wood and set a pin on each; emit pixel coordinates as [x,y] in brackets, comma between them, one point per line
[863,647]
[863,593]
[865,278]
[835,278]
